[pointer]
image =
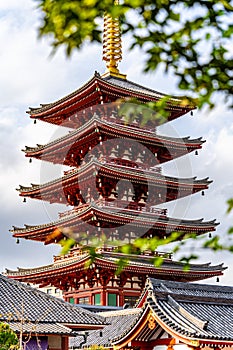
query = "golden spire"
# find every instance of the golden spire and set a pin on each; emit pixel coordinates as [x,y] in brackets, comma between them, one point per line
[112,52]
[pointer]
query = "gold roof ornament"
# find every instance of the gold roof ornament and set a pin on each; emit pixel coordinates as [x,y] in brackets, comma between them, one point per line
[112,48]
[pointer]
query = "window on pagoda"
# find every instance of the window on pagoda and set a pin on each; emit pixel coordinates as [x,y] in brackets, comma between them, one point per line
[131,300]
[112,299]
[71,300]
[84,300]
[97,299]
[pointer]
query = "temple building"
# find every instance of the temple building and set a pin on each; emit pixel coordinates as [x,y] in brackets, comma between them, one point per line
[169,315]
[113,186]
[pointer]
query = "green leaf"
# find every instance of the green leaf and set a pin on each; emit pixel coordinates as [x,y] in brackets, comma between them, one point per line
[213,244]
[66,244]
[230,205]
[121,264]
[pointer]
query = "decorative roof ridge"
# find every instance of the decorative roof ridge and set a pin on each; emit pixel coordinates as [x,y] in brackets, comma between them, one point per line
[141,300]
[124,312]
[125,213]
[165,317]
[112,166]
[130,263]
[152,133]
[96,77]
[195,320]
[163,217]
[175,266]
[65,137]
[95,119]
[192,179]
[109,77]
[65,262]
[138,256]
[177,287]
[171,97]
[217,300]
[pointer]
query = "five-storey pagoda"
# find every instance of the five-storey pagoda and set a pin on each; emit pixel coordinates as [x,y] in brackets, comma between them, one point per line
[113,186]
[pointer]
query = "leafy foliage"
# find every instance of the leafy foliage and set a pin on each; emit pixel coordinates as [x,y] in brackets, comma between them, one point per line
[8,339]
[191,38]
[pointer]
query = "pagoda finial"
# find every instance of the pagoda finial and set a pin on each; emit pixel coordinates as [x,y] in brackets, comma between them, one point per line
[112,50]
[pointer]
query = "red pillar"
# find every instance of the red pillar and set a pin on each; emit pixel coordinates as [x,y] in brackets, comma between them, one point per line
[104,296]
[64,343]
[121,297]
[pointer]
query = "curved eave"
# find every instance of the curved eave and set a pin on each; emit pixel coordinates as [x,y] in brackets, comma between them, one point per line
[179,334]
[90,216]
[118,129]
[72,180]
[60,110]
[131,333]
[49,109]
[167,273]
[185,328]
[95,129]
[178,273]
[186,331]
[49,270]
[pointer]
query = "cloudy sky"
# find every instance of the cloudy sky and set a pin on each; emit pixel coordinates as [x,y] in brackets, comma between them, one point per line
[29,76]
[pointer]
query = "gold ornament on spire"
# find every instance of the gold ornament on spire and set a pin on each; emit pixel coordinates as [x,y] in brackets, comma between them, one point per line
[112,50]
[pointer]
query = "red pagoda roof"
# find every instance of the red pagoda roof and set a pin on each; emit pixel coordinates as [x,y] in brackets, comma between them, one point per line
[78,143]
[142,264]
[60,190]
[107,217]
[100,90]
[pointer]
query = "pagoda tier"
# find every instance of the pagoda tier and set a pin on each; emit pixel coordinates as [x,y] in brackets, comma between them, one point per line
[118,220]
[71,274]
[78,186]
[106,137]
[98,91]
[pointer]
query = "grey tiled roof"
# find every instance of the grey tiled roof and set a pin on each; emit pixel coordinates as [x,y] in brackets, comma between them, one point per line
[131,86]
[119,322]
[17,300]
[196,310]
[192,290]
